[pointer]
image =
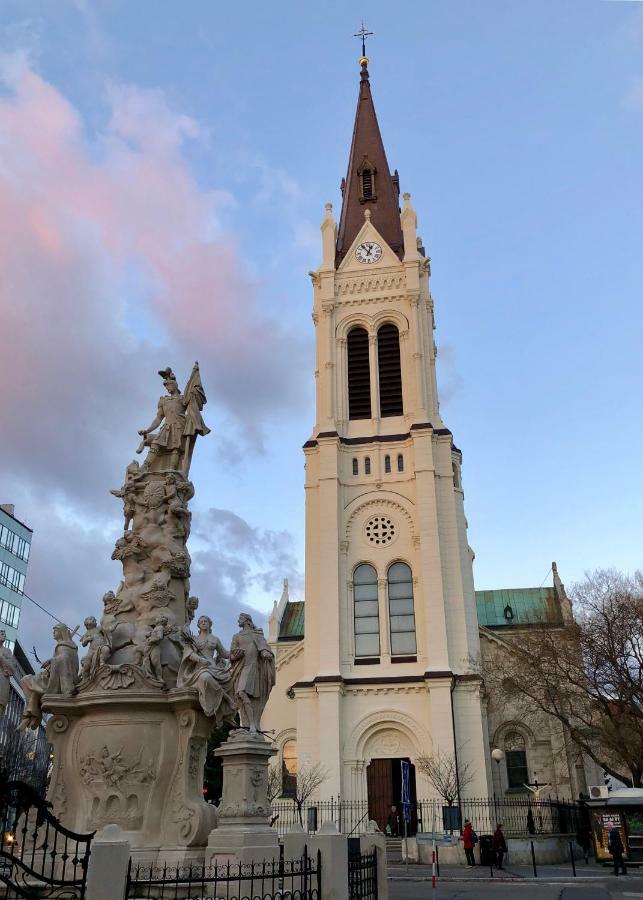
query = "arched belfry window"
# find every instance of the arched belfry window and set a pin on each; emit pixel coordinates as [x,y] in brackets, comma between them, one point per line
[390,372]
[359,375]
[366,174]
[400,609]
[366,610]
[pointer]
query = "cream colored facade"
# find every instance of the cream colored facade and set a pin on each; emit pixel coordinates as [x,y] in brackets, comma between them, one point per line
[344,713]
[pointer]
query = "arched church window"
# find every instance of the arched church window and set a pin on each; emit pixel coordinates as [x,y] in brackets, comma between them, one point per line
[400,608]
[289,769]
[387,463]
[516,759]
[359,375]
[367,465]
[390,372]
[400,462]
[366,611]
[355,466]
[456,475]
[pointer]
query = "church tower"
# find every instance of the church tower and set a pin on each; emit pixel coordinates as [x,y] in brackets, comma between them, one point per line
[387,669]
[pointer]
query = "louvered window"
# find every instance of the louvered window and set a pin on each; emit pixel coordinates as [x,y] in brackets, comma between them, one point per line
[400,608]
[355,467]
[367,465]
[366,610]
[387,464]
[359,375]
[388,357]
[400,462]
[367,184]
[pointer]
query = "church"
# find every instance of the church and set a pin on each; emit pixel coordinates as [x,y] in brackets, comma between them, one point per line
[381,662]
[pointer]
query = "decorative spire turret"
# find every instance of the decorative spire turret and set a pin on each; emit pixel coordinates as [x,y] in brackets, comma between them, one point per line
[369,182]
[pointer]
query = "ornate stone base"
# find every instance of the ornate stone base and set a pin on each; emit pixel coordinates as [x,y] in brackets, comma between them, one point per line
[134,758]
[243,833]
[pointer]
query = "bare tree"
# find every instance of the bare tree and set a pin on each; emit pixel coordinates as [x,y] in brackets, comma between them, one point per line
[587,673]
[273,788]
[446,775]
[309,778]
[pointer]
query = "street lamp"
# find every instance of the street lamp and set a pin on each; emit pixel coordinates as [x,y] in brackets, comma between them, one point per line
[497,755]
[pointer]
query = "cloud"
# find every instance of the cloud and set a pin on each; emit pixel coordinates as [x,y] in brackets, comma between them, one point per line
[115,262]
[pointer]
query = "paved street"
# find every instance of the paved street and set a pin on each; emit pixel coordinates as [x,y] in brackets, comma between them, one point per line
[555,882]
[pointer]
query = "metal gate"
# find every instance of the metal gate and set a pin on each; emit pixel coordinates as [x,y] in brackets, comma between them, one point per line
[39,857]
[362,876]
[296,879]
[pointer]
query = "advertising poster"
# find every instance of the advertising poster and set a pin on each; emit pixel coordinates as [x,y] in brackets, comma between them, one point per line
[602,823]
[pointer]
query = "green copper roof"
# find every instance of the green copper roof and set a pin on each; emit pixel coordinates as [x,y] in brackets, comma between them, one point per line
[292,622]
[527,604]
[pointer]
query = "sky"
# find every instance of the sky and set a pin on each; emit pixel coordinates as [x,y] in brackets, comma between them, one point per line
[163,173]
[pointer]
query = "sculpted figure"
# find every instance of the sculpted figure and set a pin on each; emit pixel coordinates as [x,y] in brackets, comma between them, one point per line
[209,644]
[179,420]
[99,648]
[211,680]
[7,669]
[152,650]
[253,672]
[59,675]
[191,607]
[128,492]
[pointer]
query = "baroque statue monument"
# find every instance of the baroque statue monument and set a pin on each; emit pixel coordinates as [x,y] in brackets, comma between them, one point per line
[7,669]
[133,717]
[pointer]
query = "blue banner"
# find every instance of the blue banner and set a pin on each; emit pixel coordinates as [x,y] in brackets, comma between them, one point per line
[406,790]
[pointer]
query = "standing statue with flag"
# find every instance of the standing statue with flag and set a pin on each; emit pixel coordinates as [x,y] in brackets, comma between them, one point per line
[179,420]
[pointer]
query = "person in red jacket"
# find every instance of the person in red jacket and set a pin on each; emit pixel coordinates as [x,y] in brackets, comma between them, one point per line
[469,843]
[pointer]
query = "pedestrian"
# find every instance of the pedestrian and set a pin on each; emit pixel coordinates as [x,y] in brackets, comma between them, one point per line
[393,822]
[584,839]
[469,840]
[498,846]
[616,848]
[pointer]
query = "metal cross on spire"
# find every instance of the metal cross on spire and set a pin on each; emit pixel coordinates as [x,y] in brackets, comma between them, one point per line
[363,33]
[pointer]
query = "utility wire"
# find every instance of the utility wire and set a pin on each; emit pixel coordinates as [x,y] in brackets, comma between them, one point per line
[51,615]
[546,576]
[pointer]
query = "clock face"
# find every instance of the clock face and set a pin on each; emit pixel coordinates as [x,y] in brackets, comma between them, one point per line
[368,252]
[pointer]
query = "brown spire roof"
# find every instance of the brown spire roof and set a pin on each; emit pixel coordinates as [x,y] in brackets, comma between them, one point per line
[367,153]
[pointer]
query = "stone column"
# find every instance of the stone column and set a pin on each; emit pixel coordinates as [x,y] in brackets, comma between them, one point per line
[334,860]
[108,862]
[375,841]
[243,833]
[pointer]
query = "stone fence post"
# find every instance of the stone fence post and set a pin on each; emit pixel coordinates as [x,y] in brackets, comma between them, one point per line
[108,862]
[375,840]
[334,860]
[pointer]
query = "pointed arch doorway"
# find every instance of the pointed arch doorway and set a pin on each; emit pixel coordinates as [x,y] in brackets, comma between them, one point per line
[384,787]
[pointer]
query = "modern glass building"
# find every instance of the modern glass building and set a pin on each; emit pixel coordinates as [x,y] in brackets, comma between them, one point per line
[15,544]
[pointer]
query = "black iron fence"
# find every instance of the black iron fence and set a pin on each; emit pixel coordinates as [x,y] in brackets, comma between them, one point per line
[39,857]
[362,876]
[519,815]
[296,879]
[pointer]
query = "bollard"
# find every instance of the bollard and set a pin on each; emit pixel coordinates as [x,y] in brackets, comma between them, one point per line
[533,859]
[571,853]
[437,859]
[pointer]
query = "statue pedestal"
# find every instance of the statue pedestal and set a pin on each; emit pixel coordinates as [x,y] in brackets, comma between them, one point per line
[243,833]
[133,756]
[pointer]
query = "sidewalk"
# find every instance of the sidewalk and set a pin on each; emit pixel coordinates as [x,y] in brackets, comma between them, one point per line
[547,873]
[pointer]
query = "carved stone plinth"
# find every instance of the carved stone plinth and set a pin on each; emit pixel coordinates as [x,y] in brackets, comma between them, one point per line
[243,833]
[134,758]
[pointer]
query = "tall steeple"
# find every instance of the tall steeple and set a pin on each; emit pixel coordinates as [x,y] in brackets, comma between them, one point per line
[369,183]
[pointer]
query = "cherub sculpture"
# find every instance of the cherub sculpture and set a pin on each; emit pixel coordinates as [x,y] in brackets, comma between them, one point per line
[128,492]
[99,648]
[152,649]
[179,420]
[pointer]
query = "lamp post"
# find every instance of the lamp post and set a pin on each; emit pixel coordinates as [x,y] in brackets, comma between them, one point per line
[497,755]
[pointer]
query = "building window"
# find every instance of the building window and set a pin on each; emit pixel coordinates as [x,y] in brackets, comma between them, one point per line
[289,769]
[355,467]
[400,608]
[400,462]
[359,375]
[387,463]
[366,174]
[9,614]
[11,578]
[366,611]
[367,465]
[456,476]
[390,372]
[516,759]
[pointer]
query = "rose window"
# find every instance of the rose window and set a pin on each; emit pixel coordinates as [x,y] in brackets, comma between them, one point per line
[380,530]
